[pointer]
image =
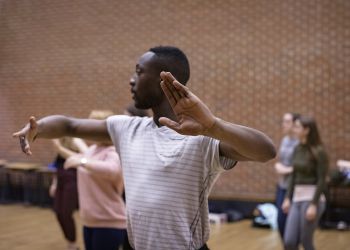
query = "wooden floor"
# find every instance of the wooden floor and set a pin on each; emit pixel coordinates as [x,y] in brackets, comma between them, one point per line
[32,228]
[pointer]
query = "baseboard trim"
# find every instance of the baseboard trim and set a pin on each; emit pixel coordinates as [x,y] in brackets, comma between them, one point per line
[243,197]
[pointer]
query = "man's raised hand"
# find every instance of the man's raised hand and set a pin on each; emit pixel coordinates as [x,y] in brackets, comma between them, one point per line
[194,117]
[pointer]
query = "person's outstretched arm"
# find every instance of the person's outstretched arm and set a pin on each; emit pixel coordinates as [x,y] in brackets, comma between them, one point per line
[108,168]
[80,145]
[283,169]
[194,118]
[57,126]
[61,150]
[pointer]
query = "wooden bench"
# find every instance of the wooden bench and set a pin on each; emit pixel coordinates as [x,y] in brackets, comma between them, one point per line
[338,199]
[24,182]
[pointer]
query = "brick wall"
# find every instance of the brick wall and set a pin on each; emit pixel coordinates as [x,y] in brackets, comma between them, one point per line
[251,61]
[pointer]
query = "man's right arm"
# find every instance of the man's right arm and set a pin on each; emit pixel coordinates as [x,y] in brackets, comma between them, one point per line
[57,126]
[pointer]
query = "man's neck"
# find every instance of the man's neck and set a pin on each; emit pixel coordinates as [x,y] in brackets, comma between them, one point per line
[163,110]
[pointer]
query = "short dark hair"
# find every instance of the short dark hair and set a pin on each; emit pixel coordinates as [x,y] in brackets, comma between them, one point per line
[172,59]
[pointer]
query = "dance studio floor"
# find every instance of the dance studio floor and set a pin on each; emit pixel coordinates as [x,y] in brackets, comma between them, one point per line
[33,228]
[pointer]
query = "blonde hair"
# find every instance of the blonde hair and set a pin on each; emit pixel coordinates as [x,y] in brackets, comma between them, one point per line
[100,114]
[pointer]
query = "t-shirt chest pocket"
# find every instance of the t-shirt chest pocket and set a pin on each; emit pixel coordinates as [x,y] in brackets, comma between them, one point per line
[170,151]
[171,148]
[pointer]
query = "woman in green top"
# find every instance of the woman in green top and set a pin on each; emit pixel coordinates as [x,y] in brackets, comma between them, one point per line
[305,201]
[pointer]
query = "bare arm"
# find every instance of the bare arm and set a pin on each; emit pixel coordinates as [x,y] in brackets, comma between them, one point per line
[80,145]
[53,187]
[241,143]
[109,168]
[61,150]
[194,118]
[57,126]
[282,169]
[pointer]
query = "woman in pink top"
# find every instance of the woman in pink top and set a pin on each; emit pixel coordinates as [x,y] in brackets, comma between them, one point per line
[64,190]
[100,186]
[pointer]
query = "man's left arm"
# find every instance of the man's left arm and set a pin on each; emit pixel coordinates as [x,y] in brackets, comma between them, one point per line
[241,143]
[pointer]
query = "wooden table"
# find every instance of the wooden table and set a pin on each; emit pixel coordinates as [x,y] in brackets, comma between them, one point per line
[25,182]
[3,181]
[20,182]
[25,166]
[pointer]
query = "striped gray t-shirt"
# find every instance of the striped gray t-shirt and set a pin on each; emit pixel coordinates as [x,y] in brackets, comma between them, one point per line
[167,177]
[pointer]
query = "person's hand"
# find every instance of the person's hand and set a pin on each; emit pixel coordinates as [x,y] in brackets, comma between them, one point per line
[27,135]
[73,161]
[194,117]
[283,170]
[278,168]
[286,205]
[311,212]
[52,190]
[56,143]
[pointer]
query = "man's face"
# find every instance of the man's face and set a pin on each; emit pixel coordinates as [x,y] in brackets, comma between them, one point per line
[145,82]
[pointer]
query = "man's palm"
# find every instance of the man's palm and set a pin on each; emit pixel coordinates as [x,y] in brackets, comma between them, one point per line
[194,117]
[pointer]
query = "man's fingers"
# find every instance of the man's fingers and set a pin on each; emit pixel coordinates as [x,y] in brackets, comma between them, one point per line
[183,90]
[168,93]
[170,81]
[173,91]
[22,132]
[27,150]
[167,76]
[32,125]
[22,142]
[24,145]
[33,128]
[27,134]
[180,89]
[32,122]
[17,134]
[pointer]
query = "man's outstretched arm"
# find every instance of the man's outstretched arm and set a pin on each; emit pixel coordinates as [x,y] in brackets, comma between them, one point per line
[57,126]
[242,143]
[194,118]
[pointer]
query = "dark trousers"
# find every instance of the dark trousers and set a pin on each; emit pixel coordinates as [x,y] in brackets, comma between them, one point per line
[103,238]
[205,247]
[126,244]
[66,201]
[281,216]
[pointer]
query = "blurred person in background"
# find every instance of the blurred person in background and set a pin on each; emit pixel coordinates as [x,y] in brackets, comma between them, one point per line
[305,201]
[283,166]
[63,189]
[100,186]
